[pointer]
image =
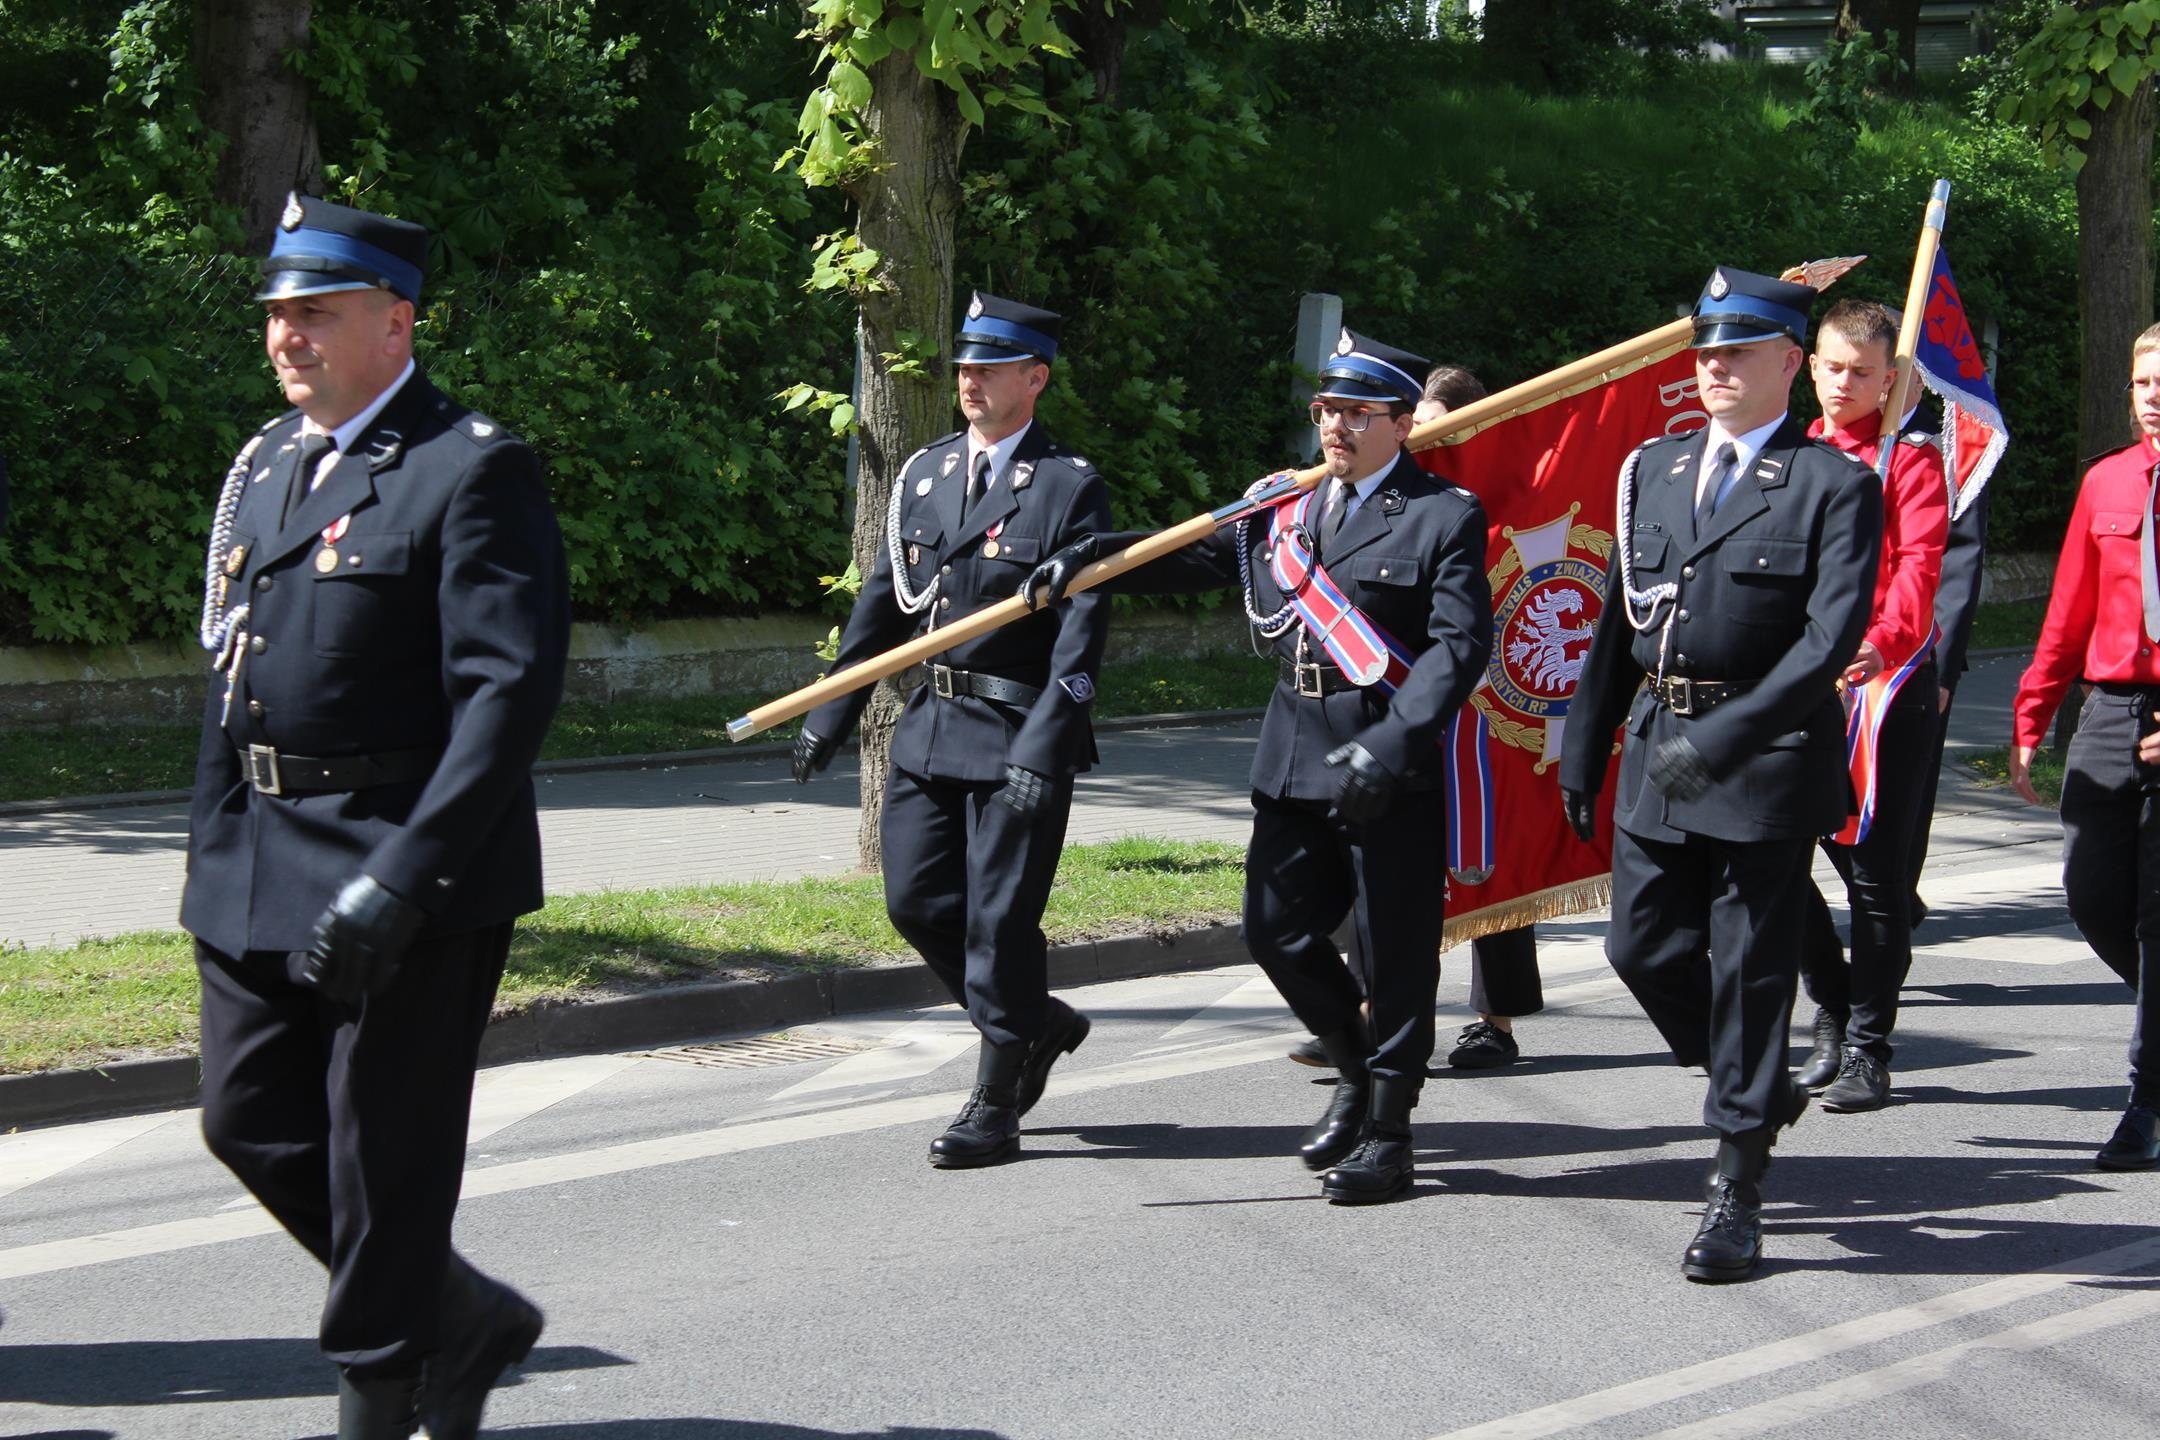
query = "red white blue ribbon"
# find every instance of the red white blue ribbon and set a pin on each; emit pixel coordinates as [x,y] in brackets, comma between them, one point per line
[1865,710]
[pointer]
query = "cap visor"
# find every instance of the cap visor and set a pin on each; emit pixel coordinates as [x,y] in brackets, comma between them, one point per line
[974,352]
[291,284]
[1734,332]
[1344,388]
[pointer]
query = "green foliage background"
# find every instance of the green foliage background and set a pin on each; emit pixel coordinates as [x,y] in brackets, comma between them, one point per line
[619,269]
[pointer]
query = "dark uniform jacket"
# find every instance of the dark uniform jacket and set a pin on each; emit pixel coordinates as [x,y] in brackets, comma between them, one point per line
[1045,498]
[1775,592]
[1957,600]
[442,624]
[1411,557]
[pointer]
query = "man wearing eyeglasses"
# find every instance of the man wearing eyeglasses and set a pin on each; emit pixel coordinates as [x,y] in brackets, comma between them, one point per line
[1347,815]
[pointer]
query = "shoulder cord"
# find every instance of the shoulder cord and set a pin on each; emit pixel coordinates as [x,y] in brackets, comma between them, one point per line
[904,593]
[1269,626]
[1632,599]
[219,624]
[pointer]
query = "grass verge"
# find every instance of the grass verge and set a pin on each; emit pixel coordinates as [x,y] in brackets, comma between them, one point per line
[1993,768]
[2013,624]
[93,760]
[105,1000]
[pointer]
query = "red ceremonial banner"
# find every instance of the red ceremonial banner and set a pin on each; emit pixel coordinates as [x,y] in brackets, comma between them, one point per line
[1548,480]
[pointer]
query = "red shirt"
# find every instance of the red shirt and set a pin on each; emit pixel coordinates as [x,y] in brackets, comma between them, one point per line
[1916,521]
[2095,626]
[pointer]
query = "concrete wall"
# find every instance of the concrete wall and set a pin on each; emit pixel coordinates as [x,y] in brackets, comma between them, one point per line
[163,683]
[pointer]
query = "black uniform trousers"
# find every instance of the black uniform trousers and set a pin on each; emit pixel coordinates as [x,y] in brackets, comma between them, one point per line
[1504,976]
[1706,933]
[1924,820]
[1304,874]
[966,879]
[2111,864]
[349,1125]
[1878,879]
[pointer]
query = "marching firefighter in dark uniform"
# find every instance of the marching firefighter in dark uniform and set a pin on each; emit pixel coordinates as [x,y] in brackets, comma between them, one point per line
[2103,627]
[388,606]
[1347,812]
[1744,564]
[984,756]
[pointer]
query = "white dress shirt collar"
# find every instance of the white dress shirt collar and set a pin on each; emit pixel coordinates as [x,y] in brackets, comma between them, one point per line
[1749,445]
[349,433]
[1000,453]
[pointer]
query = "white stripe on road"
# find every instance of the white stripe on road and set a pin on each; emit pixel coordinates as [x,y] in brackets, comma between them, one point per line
[908,1053]
[34,1155]
[1253,1004]
[1920,1370]
[1636,1395]
[506,1094]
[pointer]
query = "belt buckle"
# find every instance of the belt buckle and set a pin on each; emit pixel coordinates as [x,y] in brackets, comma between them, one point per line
[1680,695]
[262,770]
[1307,679]
[941,681]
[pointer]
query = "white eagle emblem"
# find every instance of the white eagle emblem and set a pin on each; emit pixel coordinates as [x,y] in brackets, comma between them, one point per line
[975,306]
[1345,344]
[292,216]
[1720,287]
[1539,648]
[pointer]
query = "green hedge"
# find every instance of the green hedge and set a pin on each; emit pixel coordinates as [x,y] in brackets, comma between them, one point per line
[619,273]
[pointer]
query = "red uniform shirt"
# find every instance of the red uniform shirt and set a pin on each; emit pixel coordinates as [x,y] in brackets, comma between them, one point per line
[1916,521]
[2095,626]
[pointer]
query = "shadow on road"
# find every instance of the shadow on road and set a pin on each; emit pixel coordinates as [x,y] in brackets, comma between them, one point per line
[198,1372]
[730,1430]
[2076,992]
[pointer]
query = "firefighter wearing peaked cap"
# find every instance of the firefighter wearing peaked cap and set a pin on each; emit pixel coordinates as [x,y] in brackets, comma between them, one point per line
[1348,819]
[387,615]
[1742,573]
[984,756]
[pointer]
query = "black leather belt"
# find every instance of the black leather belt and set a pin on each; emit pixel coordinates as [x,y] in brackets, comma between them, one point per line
[1312,679]
[275,772]
[950,684]
[1686,696]
[2119,690]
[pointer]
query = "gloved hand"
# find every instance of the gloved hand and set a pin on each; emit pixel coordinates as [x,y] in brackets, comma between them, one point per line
[1057,572]
[360,941]
[1025,790]
[813,752]
[1677,769]
[1581,809]
[1366,788]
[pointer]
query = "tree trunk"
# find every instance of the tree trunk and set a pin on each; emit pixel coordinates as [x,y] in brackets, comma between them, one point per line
[906,210]
[2115,263]
[259,104]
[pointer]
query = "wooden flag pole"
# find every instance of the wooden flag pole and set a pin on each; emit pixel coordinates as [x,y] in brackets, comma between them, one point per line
[1455,426]
[1908,340]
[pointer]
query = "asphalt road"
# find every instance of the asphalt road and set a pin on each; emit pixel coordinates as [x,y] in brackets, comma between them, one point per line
[763,1253]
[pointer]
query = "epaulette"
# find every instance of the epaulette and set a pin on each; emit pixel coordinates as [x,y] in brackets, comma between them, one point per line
[480,429]
[288,415]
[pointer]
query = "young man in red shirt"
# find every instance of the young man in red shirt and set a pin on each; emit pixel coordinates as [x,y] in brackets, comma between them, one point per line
[1857,1000]
[2103,626]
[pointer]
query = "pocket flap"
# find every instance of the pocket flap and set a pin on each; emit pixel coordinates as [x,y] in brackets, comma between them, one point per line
[1020,549]
[362,554]
[1764,555]
[1383,569]
[1648,548]
[2115,522]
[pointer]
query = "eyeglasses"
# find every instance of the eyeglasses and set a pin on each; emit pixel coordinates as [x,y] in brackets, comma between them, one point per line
[1354,418]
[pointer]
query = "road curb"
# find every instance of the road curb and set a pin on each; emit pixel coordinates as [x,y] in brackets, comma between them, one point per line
[672,1016]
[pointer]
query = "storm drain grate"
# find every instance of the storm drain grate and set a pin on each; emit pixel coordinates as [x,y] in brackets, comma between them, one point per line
[761,1050]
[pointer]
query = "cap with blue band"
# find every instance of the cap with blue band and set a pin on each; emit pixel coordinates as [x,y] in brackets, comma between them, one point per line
[1364,369]
[1739,307]
[999,332]
[321,247]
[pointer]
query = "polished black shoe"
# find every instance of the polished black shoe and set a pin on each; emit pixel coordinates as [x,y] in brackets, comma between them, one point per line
[1312,1053]
[2135,1144]
[377,1409]
[1728,1244]
[1379,1169]
[986,1131]
[1821,1065]
[1336,1132]
[1863,1083]
[487,1328]
[1067,1029]
[1483,1045]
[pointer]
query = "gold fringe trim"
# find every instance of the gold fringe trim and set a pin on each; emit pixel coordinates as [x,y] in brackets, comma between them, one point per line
[1577,897]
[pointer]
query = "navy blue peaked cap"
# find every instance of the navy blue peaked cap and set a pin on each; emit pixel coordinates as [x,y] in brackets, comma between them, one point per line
[1739,307]
[999,331]
[1365,369]
[321,247]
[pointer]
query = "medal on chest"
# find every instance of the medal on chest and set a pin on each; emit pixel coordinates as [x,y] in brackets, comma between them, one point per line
[990,540]
[326,559]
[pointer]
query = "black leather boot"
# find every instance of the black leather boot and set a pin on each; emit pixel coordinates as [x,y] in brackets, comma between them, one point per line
[377,1409]
[1068,1027]
[1728,1244]
[1383,1164]
[486,1328]
[987,1129]
[1336,1132]
[1821,1065]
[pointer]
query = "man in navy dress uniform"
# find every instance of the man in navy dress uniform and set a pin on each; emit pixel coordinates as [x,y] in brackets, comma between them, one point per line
[985,753]
[387,605]
[1740,586]
[1348,819]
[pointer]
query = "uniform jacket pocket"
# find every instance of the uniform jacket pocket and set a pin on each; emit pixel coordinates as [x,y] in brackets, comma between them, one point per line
[368,591]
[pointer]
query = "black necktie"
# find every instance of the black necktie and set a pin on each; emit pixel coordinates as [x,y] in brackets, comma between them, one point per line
[978,481]
[312,450]
[1728,456]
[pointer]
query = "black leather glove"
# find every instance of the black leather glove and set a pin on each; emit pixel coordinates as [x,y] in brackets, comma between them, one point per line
[1581,809]
[360,940]
[813,752]
[1366,788]
[1025,790]
[1057,572]
[1677,769]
